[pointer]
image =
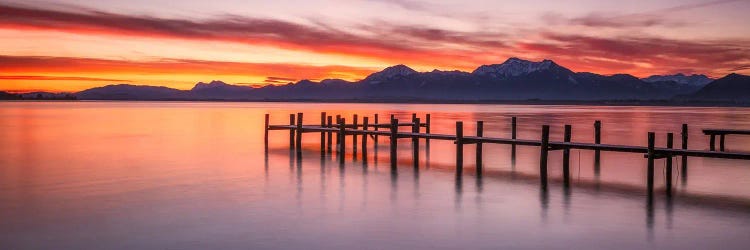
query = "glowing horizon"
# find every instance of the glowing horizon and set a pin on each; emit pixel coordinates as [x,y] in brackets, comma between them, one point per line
[74,45]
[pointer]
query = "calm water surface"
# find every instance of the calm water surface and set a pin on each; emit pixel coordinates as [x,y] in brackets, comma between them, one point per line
[183,175]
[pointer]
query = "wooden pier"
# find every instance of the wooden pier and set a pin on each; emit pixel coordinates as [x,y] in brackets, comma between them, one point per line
[342,129]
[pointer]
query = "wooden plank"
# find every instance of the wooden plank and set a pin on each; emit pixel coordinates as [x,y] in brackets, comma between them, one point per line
[726,131]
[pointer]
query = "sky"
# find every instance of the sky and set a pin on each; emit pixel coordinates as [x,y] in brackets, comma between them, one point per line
[72,45]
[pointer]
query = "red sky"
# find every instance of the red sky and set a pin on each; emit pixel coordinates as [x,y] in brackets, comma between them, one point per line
[78,44]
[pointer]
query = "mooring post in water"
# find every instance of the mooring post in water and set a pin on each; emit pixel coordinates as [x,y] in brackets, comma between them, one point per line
[651,155]
[597,140]
[415,141]
[365,125]
[543,156]
[375,138]
[394,142]
[566,155]
[299,134]
[684,157]
[291,132]
[329,140]
[342,140]
[338,137]
[513,136]
[355,121]
[713,142]
[322,134]
[427,131]
[478,157]
[670,144]
[265,136]
[721,142]
[459,148]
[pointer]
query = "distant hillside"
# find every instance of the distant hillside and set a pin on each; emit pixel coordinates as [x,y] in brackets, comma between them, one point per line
[514,79]
[732,88]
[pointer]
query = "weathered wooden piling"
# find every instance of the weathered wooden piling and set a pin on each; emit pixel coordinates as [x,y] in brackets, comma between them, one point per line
[651,156]
[291,132]
[375,138]
[415,141]
[342,140]
[365,125]
[459,148]
[670,144]
[355,121]
[566,155]
[427,130]
[329,140]
[721,142]
[322,134]
[597,140]
[394,143]
[544,153]
[513,136]
[478,157]
[684,157]
[338,137]
[265,128]
[713,142]
[299,134]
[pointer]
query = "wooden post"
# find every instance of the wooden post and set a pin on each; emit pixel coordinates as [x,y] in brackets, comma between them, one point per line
[684,157]
[338,137]
[265,136]
[355,121]
[713,142]
[651,155]
[375,139]
[670,144]
[365,125]
[566,155]
[427,130]
[721,142]
[513,136]
[291,132]
[342,140]
[322,134]
[329,140]
[415,141]
[597,140]
[478,156]
[459,148]
[544,152]
[394,143]
[299,134]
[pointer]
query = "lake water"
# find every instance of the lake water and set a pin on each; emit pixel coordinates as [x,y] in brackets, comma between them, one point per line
[194,175]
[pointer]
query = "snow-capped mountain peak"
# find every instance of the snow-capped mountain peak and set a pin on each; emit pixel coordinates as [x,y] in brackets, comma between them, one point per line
[692,80]
[514,67]
[390,72]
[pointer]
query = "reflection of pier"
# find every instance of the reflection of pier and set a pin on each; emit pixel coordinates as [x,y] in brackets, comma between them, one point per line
[365,129]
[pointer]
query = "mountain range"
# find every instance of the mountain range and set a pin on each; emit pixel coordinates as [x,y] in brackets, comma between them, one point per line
[513,80]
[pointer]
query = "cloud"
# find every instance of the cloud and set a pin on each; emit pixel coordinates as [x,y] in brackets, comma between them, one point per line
[51,65]
[60,78]
[642,55]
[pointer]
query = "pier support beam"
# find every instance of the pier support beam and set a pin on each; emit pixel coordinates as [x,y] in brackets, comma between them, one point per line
[427,130]
[651,155]
[365,125]
[342,140]
[721,142]
[375,138]
[670,144]
[544,152]
[322,134]
[415,141]
[713,142]
[597,140]
[291,132]
[478,158]
[329,140]
[265,135]
[684,157]
[355,121]
[459,148]
[513,136]
[566,156]
[299,135]
[394,143]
